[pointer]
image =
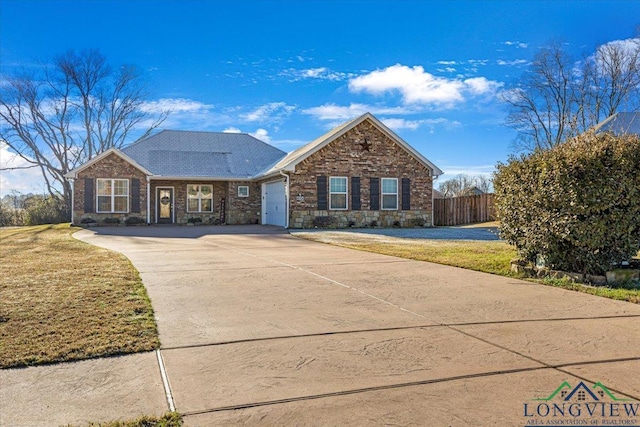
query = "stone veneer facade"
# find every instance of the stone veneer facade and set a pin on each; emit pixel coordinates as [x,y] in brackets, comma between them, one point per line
[346,157]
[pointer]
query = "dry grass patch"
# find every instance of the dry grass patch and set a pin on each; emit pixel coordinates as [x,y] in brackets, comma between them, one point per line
[64,300]
[170,419]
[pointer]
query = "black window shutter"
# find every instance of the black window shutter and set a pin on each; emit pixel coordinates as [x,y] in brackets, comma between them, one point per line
[374,194]
[89,202]
[406,194]
[322,192]
[135,195]
[355,193]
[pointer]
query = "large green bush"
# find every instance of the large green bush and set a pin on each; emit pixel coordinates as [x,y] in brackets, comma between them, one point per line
[45,210]
[33,210]
[576,205]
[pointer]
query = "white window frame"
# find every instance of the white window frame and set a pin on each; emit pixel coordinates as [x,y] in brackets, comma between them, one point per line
[382,194]
[199,199]
[112,195]
[345,193]
[240,193]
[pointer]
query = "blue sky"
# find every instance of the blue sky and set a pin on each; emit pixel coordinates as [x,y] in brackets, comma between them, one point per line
[287,71]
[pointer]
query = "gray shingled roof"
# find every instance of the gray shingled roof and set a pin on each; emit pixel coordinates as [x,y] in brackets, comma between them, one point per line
[197,154]
[621,123]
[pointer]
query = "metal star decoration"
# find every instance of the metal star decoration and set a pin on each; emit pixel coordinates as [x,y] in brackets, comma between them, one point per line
[366,145]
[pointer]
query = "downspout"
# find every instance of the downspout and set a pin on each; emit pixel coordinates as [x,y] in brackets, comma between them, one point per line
[433,209]
[286,195]
[73,203]
[148,199]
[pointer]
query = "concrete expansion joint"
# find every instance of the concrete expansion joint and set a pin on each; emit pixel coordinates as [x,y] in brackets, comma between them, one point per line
[361,390]
[165,382]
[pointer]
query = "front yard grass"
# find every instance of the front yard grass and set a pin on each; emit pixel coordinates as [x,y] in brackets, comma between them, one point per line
[62,299]
[486,256]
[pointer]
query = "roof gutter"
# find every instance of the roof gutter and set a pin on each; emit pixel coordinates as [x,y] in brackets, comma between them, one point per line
[199,178]
[286,195]
[433,210]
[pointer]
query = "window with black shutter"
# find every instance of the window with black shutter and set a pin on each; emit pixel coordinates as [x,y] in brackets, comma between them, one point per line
[135,195]
[89,206]
[374,194]
[321,182]
[406,194]
[356,205]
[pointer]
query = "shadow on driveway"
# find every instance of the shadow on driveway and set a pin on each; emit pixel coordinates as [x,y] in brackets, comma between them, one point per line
[186,232]
[436,233]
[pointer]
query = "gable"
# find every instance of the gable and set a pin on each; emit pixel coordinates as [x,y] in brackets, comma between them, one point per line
[110,166]
[363,148]
[112,154]
[293,159]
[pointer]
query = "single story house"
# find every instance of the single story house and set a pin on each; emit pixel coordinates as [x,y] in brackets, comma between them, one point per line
[359,173]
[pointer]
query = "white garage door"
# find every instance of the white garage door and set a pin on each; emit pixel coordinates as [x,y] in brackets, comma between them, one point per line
[274,204]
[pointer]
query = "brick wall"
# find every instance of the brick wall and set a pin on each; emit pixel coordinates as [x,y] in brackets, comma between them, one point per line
[244,210]
[346,157]
[113,167]
[180,201]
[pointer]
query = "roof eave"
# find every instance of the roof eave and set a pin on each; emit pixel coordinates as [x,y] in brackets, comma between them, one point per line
[200,178]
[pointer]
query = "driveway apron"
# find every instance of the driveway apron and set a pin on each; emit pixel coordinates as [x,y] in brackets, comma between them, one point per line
[260,327]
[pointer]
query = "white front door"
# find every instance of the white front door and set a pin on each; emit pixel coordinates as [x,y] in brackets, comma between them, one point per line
[274,208]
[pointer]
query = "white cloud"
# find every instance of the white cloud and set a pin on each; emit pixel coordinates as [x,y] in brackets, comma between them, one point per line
[628,47]
[232,130]
[515,62]
[431,124]
[21,180]
[272,111]
[482,86]
[447,62]
[174,105]
[261,134]
[451,171]
[338,112]
[320,73]
[414,83]
[517,44]
[397,123]
[420,87]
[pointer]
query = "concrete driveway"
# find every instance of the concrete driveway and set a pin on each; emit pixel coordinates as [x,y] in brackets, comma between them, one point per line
[260,327]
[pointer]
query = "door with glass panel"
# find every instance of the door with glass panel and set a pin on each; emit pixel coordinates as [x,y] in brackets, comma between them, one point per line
[164,205]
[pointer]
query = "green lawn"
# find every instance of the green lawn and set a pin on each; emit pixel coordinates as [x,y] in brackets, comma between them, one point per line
[64,300]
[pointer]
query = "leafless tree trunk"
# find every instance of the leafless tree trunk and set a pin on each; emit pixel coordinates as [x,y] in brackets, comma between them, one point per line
[559,97]
[67,113]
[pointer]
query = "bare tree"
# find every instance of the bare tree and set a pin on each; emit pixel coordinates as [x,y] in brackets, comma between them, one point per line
[463,185]
[559,97]
[67,112]
[610,79]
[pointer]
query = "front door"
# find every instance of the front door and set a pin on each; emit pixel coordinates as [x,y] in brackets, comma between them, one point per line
[164,205]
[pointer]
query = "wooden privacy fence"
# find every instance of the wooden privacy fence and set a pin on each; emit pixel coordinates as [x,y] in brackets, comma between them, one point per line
[463,210]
